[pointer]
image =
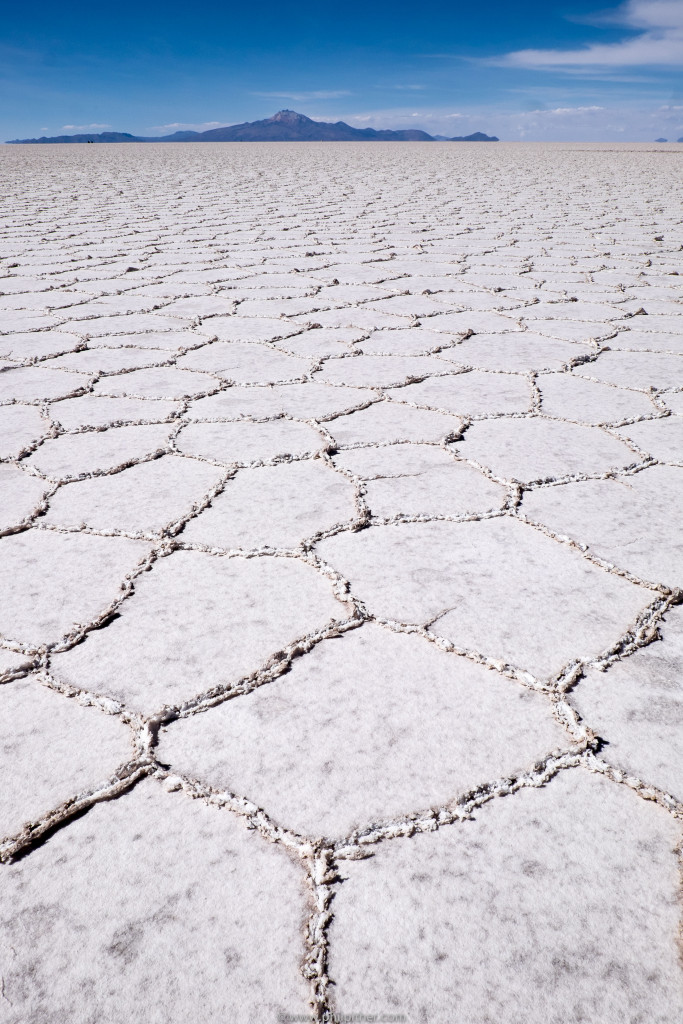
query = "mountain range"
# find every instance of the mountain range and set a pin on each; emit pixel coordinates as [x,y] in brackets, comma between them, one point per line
[285,126]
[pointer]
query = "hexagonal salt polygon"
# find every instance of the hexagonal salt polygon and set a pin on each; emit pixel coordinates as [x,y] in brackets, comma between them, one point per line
[198,621]
[274,506]
[367,726]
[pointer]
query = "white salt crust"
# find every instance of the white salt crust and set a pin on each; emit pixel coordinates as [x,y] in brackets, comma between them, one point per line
[339,493]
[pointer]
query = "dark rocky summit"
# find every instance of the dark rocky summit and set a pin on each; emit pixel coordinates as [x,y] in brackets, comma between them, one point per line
[285,126]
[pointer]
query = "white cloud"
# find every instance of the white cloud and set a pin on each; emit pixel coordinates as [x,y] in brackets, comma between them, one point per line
[85,127]
[564,111]
[551,122]
[659,24]
[320,94]
[183,126]
[435,121]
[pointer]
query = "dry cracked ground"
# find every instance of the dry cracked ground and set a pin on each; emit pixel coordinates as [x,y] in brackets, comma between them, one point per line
[341,637]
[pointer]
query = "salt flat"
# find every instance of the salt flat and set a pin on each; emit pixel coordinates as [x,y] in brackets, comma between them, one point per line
[341,559]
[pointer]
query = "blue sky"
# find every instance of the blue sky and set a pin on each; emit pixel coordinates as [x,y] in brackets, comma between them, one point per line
[520,70]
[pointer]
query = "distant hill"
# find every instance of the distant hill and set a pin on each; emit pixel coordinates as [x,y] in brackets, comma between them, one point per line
[475,137]
[285,126]
[102,137]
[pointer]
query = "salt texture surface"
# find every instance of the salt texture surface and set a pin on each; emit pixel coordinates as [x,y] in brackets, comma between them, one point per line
[340,555]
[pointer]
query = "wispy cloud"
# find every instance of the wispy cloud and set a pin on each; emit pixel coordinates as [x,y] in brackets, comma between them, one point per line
[318,94]
[433,120]
[545,121]
[85,127]
[184,126]
[564,111]
[659,41]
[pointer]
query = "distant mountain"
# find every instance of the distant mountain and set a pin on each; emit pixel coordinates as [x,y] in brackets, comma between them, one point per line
[285,126]
[661,140]
[102,137]
[475,137]
[288,126]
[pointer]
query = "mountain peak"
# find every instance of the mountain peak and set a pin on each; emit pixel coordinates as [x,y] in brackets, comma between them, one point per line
[289,117]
